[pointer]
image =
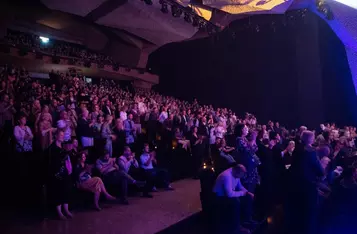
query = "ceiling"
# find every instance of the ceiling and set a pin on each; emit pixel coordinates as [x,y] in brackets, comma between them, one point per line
[133,16]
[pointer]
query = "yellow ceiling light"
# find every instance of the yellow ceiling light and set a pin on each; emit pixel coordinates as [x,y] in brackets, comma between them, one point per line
[205,13]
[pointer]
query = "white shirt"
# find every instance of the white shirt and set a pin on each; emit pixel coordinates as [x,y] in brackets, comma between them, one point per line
[141,107]
[228,186]
[24,145]
[143,159]
[220,131]
[64,124]
[163,116]
[123,115]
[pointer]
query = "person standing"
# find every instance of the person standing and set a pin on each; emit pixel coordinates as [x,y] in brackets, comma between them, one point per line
[60,170]
[302,204]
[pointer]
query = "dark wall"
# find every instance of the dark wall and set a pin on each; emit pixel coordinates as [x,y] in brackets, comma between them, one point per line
[276,66]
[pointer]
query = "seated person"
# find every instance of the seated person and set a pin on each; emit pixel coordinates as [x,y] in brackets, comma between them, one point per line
[153,174]
[181,139]
[226,151]
[228,189]
[126,161]
[86,182]
[220,154]
[113,176]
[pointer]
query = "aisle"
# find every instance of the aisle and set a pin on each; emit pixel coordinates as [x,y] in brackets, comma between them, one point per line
[142,216]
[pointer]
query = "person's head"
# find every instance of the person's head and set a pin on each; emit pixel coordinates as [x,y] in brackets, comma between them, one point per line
[241,130]
[45,109]
[67,146]
[146,148]
[238,171]
[106,156]
[36,104]
[204,120]
[60,136]
[307,137]
[328,136]
[64,115]
[291,146]
[302,129]
[46,117]
[96,108]
[6,98]
[347,134]
[127,151]
[325,162]
[218,141]
[75,143]
[194,129]
[54,103]
[100,118]
[109,119]
[22,120]
[274,138]
[130,116]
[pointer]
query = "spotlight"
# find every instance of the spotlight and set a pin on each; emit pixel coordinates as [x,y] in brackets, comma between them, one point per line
[44,40]
[164,8]
[148,2]
[187,18]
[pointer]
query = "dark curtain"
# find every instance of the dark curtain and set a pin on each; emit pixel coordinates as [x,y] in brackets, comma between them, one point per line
[267,65]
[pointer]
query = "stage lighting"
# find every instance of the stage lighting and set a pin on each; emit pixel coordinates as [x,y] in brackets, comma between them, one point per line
[351,3]
[44,39]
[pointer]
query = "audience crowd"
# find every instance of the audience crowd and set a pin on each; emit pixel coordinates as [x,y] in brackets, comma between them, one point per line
[56,48]
[100,138]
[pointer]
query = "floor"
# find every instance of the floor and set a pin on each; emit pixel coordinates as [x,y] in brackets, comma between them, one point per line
[142,216]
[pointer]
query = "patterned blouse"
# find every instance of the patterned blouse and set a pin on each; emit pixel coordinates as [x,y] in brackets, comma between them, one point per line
[247,156]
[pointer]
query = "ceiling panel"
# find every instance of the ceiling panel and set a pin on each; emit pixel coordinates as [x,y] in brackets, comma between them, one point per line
[77,7]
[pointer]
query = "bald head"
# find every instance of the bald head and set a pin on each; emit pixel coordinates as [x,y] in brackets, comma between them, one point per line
[238,171]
